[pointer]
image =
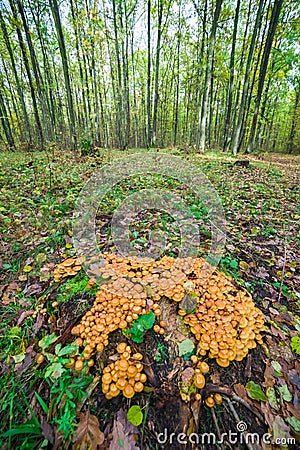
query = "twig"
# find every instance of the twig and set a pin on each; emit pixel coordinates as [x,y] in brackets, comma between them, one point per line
[227,392]
[216,424]
[235,414]
[243,402]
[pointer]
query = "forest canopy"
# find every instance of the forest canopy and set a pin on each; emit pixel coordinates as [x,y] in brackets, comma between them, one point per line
[123,73]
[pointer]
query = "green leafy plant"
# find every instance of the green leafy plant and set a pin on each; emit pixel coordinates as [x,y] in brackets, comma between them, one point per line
[161,352]
[140,325]
[135,415]
[255,391]
[295,344]
[59,358]
[186,349]
[65,393]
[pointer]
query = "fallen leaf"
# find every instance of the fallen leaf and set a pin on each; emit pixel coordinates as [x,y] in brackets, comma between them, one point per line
[277,367]
[255,391]
[187,376]
[280,429]
[186,346]
[285,393]
[135,415]
[47,432]
[23,316]
[40,258]
[19,358]
[271,396]
[295,423]
[269,376]
[123,437]
[244,266]
[88,433]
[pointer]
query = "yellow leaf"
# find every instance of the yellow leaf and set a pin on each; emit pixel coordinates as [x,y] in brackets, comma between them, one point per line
[27,269]
[40,258]
[244,266]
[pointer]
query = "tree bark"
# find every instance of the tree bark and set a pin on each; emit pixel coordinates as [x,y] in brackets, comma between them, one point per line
[208,75]
[231,79]
[64,59]
[148,73]
[290,145]
[263,69]
[238,128]
[157,63]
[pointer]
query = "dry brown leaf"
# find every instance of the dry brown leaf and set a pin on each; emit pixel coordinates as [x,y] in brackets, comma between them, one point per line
[88,433]
[8,293]
[47,432]
[23,316]
[119,440]
[124,433]
[187,376]
[269,376]
[240,390]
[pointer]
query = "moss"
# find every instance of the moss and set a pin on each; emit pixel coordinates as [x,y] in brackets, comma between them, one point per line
[75,285]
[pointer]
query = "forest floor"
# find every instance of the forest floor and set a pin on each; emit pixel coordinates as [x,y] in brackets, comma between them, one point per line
[48,406]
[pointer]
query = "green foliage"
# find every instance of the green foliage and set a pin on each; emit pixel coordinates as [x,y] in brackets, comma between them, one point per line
[186,348]
[135,415]
[229,263]
[140,325]
[161,352]
[47,340]
[255,392]
[57,360]
[65,393]
[295,344]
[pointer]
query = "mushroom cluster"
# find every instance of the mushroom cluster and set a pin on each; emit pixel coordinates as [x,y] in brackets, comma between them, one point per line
[125,375]
[201,369]
[159,278]
[110,312]
[213,399]
[226,322]
[69,267]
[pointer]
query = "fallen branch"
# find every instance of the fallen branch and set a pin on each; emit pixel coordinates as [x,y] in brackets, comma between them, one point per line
[235,414]
[227,392]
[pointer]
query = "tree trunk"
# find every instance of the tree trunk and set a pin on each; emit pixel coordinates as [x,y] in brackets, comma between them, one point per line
[231,79]
[148,73]
[178,79]
[157,63]
[81,76]
[238,127]
[208,74]
[28,72]
[36,69]
[290,145]
[263,68]
[120,109]
[5,123]
[64,59]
